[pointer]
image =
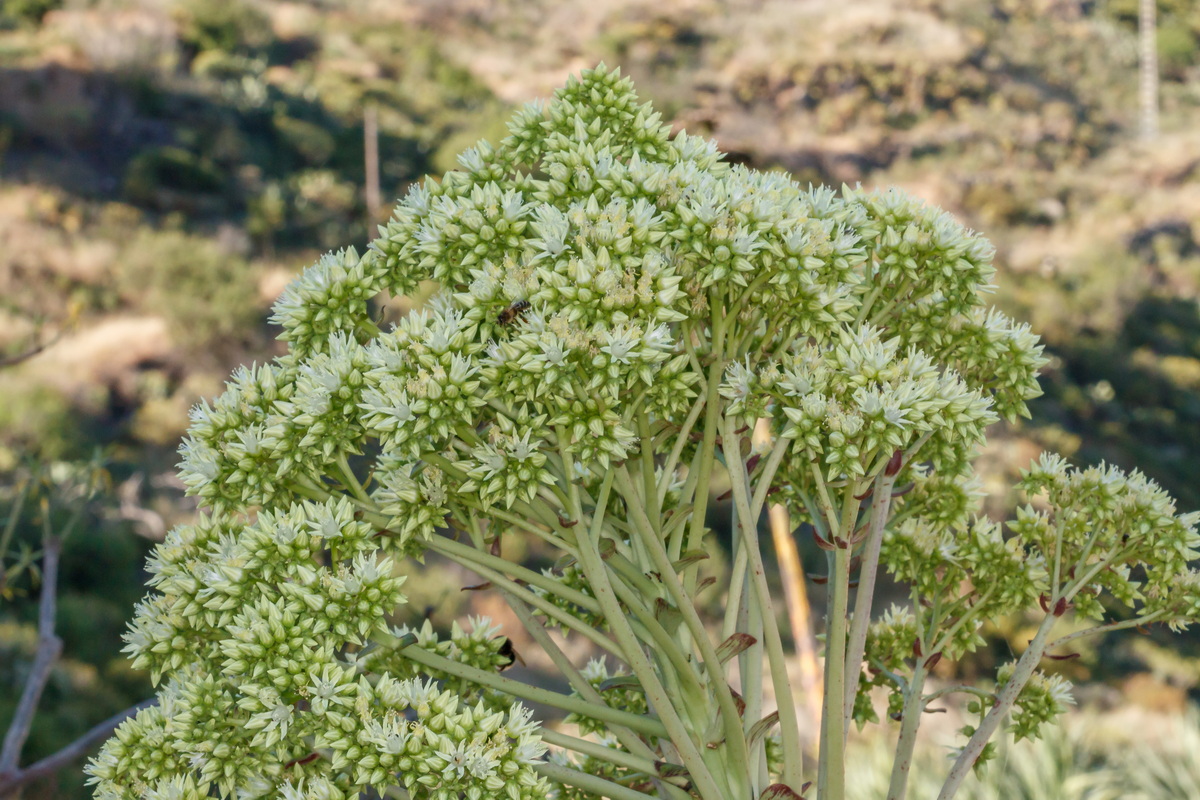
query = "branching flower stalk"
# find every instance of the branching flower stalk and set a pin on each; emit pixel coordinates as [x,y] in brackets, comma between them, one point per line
[617,309]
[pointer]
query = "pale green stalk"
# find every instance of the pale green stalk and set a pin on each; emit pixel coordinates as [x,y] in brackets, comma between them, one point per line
[350,479]
[597,574]
[770,467]
[712,421]
[715,672]
[546,607]
[832,767]
[789,721]
[537,631]
[751,664]
[461,552]
[649,487]
[880,505]
[1145,619]
[1004,702]
[589,783]
[664,644]
[597,750]
[831,777]
[681,440]
[568,703]
[910,722]
[633,575]
[737,580]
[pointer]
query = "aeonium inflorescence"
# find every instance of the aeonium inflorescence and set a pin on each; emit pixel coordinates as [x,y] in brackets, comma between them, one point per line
[616,309]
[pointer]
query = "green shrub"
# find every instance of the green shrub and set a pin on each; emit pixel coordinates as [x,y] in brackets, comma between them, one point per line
[27,10]
[207,294]
[1177,50]
[158,176]
[229,25]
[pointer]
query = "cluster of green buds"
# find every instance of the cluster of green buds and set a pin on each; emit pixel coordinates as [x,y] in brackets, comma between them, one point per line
[617,309]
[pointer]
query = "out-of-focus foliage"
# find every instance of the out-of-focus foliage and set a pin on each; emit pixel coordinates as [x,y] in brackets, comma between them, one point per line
[1095,758]
[98,575]
[208,295]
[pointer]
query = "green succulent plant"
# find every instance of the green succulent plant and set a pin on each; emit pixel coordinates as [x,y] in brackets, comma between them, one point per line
[617,307]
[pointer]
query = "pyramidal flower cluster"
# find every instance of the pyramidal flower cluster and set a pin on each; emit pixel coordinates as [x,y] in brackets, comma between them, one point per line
[616,309]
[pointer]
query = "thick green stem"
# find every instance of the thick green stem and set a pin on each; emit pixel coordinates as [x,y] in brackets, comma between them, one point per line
[461,552]
[737,582]
[712,663]
[751,662]
[770,467]
[597,573]
[546,607]
[831,777]
[789,720]
[681,441]
[649,485]
[597,750]
[350,479]
[664,645]
[712,420]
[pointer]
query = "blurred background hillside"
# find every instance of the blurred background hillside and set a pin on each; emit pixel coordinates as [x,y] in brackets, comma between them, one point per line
[166,166]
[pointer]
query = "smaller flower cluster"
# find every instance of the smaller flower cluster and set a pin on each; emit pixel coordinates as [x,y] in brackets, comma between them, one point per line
[228,592]
[938,560]
[421,382]
[1042,700]
[851,404]
[890,642]
[477,645]
[985,346]
[413,734]
[915,246]
[618,689]
[938,499]
[1101,524]
[230,454]
[415,498]
[332,296]
[506,467]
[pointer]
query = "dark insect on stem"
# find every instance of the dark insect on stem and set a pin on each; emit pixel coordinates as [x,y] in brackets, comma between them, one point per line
[508,651]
